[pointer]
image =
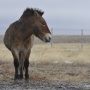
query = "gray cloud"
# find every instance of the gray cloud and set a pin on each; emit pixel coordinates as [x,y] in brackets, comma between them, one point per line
[61,14]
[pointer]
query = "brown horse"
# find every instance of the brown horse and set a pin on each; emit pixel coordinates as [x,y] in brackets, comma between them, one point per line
[18,38]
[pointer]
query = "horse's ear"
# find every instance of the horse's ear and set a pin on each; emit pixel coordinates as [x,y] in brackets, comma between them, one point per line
[36,14]
[41,13]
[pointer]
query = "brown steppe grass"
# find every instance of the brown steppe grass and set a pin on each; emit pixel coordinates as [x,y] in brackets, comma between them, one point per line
[62,62]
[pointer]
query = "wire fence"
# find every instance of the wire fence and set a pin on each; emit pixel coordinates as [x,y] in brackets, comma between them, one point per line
[78,37]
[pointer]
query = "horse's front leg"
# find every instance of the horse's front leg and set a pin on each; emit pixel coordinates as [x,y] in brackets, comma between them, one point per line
[26,65]
[21,63]
[20,72]
[18,69]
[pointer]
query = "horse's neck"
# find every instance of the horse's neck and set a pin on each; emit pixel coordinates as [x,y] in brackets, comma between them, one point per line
[26,34]
[27,29]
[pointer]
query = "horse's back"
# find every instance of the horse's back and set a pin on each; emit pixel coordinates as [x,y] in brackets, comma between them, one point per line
[10,33]
[7,36]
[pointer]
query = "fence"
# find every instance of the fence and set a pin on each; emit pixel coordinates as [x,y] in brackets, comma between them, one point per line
[75,36]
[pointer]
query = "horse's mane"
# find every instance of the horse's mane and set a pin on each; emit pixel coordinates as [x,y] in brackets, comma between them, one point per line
[30,12]
[39,11]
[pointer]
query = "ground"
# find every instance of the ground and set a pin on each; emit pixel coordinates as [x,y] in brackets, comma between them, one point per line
[57,67]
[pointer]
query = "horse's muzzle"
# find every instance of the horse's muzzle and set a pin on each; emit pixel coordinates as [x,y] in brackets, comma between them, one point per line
[47,38]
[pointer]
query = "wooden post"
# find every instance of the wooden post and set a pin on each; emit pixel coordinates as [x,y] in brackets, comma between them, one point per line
[82,39]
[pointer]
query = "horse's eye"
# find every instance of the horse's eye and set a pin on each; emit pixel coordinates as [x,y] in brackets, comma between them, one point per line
[43,24]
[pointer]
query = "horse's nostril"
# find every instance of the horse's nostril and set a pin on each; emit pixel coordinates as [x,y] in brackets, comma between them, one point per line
[49,38]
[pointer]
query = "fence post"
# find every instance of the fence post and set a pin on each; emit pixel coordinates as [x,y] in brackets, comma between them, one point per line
[81,39]
[52,37]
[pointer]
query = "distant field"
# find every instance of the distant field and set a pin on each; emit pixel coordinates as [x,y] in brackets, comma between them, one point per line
[1,38]
[63,39]
[68,39]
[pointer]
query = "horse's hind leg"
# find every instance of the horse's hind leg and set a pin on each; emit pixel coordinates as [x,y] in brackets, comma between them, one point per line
[16,64]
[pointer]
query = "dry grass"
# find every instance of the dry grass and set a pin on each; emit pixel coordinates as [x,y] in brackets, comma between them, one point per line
[61,52]
[62,62]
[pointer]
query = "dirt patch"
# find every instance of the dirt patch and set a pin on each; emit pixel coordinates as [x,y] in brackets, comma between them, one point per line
[29,85]
[47,76]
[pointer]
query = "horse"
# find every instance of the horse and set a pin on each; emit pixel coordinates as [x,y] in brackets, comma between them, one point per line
[19,38]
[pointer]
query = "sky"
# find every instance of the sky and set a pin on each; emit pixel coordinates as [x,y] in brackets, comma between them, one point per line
[63,16]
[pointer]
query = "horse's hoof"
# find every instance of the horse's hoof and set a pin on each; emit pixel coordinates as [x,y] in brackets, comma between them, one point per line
[16,77]
[26,77]
[20,77]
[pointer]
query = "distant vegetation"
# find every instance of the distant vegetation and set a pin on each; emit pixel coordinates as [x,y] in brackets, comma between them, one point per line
[1,38]
[68,39]
[63,39]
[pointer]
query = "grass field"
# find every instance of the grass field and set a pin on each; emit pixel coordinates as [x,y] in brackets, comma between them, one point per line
[61,62]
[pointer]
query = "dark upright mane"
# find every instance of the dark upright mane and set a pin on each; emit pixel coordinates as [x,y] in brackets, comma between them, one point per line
[30,12]
[39,11]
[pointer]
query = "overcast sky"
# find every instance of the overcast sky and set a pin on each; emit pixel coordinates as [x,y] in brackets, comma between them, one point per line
[59,14]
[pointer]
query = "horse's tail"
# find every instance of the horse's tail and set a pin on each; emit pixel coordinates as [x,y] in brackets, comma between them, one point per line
[21,60]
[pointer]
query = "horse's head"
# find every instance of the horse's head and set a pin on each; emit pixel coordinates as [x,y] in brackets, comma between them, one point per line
[40,27]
